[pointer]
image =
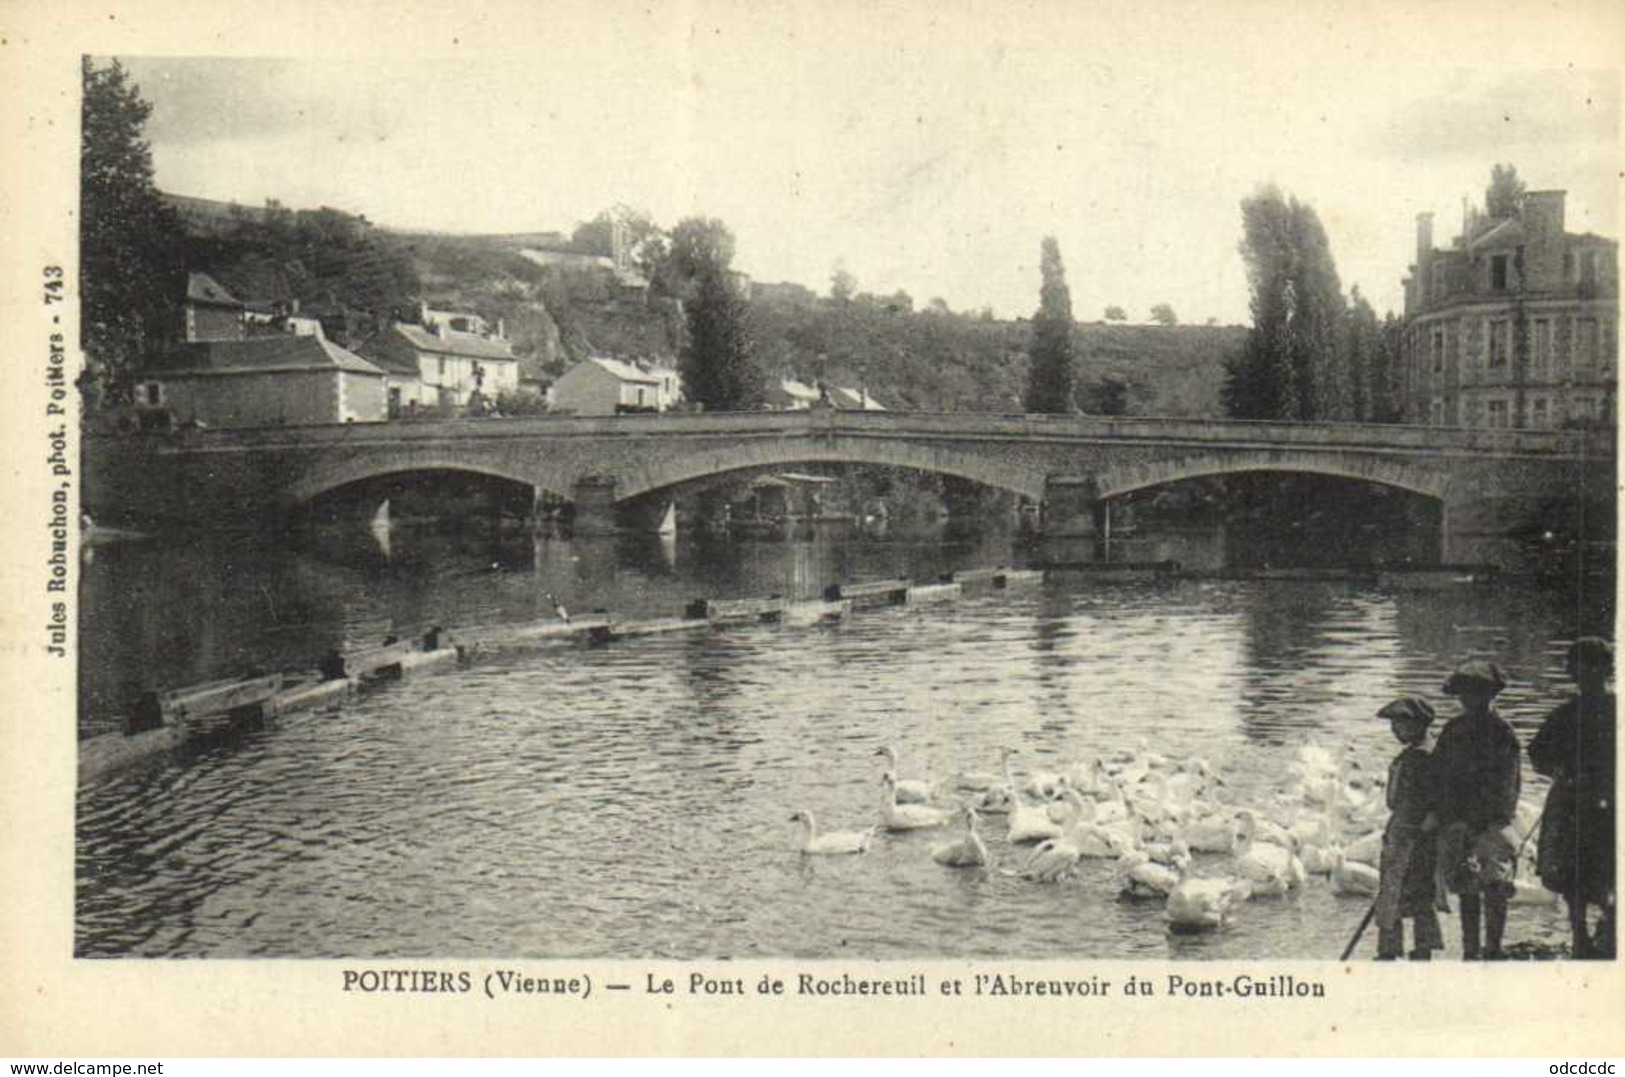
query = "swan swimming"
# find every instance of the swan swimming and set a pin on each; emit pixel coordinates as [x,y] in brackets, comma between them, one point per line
[835,843]
[1196,904]
[895,816]
[1053,860]
[1273,870]
[968,852]
[909,790]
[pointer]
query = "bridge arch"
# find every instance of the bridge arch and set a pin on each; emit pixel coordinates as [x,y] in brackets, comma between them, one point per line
[1428,481]
[336,474]
[988,468]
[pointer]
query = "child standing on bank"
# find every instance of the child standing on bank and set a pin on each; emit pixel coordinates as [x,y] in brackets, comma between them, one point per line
[1476,761]
[1407,887]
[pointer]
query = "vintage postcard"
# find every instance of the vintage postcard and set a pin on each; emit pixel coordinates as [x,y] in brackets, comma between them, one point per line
[811,529]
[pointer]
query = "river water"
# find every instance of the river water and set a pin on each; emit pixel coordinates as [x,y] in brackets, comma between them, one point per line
[633,800]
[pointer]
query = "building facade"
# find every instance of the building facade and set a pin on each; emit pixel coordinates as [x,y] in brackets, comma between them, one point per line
[450,365]
[1513,325]
[602,386]
[287,379]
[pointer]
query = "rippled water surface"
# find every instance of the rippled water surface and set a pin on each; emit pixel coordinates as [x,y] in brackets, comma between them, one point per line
[633,800]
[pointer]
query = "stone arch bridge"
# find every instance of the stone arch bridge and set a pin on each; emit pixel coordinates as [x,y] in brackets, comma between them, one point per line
[627,468]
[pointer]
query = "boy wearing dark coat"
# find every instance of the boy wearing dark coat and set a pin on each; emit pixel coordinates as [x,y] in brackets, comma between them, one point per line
[1408,887]
[1575,748]
[1476,760]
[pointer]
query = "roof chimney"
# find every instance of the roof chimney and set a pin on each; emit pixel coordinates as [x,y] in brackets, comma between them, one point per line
[1543,212]
[1424,236]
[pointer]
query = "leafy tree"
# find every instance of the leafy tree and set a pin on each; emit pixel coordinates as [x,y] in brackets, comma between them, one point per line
[938,305]
[1050,375]
[1163,314]
[698,245]
[1501,197]
[1108,395]
[1116,314]
[717,362]
[1292,365]
[1362,349]
[132,277]
[842,285]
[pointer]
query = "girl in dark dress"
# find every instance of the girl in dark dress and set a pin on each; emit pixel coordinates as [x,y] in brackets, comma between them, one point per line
[1575,748]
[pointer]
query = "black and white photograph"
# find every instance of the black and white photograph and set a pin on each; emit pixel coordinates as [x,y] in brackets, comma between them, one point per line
[1063,490]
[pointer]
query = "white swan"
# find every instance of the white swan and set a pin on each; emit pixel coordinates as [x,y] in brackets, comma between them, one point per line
[1273,870]
[1054,859]
[909,790]
[1202,904]
[1138,876]
[895,816]
[1213,833]
[1027,823]
[1353,877]
[1088,780]
[834,843]
[1365,850]
[967,852]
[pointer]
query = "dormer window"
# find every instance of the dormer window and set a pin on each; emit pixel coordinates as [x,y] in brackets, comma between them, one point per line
[1498,273]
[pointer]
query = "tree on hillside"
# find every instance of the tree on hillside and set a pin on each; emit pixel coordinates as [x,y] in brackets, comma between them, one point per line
[1050,375]
[131,278]
[1501,197]
[1163,314]
[1116,314]
[717,362]
[1291,366]
[842,285]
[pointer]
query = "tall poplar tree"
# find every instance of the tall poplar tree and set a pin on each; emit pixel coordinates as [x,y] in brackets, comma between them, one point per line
[718,363]
[1292,365]
[1050,375]
[129,251]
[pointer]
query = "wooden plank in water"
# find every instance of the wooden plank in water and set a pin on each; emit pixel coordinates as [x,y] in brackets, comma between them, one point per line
[157,709]
[1019,577]
[870,593]
[971,577]
[307,695]
[933,592]
[657,626]
[815,611]
[482,637]
[737,609]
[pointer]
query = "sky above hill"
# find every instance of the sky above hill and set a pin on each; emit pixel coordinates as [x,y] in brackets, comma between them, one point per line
[924,147]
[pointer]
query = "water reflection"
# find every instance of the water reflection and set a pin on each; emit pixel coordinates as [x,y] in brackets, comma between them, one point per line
[640,792]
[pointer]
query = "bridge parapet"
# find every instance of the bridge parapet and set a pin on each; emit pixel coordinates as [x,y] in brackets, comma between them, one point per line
[967,425]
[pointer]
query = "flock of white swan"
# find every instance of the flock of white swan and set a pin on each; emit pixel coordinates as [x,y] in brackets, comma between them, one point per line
[1154,815]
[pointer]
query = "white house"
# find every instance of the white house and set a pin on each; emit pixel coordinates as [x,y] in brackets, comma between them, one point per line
[450,365]
[601,386]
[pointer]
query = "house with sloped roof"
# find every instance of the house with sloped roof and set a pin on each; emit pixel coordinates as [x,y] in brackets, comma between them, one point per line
[792,395]
[604,386]
[286,379]
[212,313]
[1515,324]
[450,365]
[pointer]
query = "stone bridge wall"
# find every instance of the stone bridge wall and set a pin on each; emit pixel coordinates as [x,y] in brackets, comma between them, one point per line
[1483,478]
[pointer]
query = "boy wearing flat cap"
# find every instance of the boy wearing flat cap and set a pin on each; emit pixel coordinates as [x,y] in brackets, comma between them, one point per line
[1407,887]
[1575,748]
[1476,761]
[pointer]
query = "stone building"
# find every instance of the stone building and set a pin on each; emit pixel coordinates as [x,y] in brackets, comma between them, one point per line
[287,379]
[1514,324]
[604,386]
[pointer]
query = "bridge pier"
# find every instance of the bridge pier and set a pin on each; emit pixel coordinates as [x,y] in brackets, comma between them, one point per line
[1072,508]
[594,498]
